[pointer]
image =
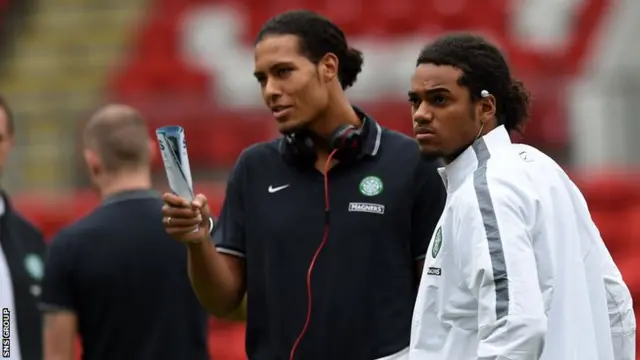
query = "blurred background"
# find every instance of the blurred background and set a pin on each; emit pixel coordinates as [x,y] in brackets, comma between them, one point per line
[190,63]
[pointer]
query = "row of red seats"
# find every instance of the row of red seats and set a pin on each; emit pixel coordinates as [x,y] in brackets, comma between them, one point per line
[387,19]
[157,71]
[381,18]
[158,44]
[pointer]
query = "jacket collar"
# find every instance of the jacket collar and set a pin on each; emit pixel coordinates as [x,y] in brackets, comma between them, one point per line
[473,157]
[371,133]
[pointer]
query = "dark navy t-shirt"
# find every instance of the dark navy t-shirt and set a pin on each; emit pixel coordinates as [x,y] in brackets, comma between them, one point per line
[127,282]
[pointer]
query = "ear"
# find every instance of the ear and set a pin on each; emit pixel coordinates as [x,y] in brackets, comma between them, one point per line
[152,147]
[92,160]
[328,67]
[487,109]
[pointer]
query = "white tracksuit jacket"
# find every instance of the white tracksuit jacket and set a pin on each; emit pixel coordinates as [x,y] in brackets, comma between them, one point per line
[516,269]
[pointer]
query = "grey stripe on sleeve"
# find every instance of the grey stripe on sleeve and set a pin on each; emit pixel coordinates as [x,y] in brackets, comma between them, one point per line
[500,277]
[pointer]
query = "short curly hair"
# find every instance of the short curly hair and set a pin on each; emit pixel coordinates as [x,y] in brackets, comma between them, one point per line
[318,36]
[484,68]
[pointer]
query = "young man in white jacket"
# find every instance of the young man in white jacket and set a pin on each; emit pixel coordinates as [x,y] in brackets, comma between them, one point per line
[516,269]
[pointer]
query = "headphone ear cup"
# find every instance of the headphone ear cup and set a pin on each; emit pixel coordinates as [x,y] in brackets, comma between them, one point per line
[340,137]
[346,139]
[286,150]
[297,150]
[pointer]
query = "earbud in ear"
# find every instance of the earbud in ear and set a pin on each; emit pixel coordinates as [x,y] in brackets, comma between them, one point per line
[484,93]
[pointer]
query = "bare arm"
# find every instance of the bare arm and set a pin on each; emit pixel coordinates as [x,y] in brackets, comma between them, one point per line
[217,279]
[215,251]
[59,334]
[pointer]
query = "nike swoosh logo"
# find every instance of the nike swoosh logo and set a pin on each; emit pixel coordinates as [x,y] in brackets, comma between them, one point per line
[276,189]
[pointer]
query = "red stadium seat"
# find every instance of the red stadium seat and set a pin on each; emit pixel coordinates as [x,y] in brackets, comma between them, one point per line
[159,39]
[44,211]
[610,191]
[230,133]
[632,224]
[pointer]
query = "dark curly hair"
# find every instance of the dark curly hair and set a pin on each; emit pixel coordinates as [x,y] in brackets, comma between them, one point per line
[484,68]
[318,36]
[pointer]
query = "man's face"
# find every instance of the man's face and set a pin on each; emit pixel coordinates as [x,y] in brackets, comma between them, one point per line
[444,118]
[6,139]
[290,83]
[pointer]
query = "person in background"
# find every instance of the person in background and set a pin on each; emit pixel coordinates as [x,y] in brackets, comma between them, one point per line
[22,248]
[516,268]
[115,277]
[325,228]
